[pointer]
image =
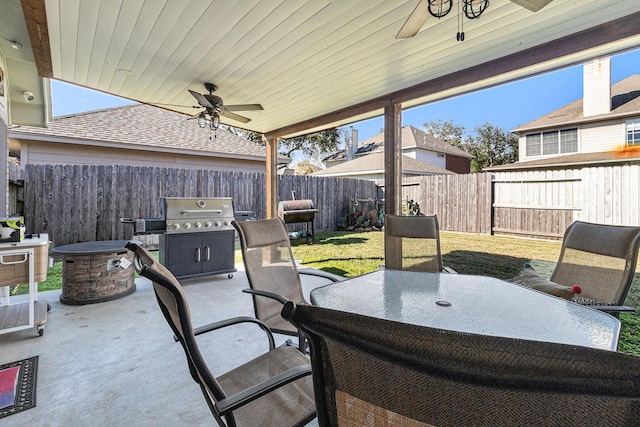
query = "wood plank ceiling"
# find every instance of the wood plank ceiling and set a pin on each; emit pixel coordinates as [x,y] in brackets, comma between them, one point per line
[318,58]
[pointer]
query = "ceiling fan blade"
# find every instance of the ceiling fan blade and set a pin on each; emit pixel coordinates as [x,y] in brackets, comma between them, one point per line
[234,116]
[201,99]
[195,116]
[416,20]
[532,5]
[244,107]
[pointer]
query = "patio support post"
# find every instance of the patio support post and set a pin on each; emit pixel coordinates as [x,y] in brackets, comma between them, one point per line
[393,179]
[4,161]
[271,176]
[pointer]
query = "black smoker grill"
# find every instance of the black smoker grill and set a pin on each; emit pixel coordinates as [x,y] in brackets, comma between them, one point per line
[297,211]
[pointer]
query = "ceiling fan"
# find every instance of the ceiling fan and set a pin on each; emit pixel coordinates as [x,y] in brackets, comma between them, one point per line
[214,108]
[439,8]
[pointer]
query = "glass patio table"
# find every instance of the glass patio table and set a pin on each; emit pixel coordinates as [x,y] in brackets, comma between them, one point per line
[470,304]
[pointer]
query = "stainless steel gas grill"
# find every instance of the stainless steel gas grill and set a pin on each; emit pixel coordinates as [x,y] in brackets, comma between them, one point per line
[296,211]
[199,238]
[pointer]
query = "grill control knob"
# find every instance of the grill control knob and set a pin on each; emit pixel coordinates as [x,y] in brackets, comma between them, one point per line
[197,225]
[207,224]
[187,225]
[175,226]
[226,223]
[216,224]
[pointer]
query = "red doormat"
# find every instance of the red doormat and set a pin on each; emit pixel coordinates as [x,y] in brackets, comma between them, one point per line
[18,386]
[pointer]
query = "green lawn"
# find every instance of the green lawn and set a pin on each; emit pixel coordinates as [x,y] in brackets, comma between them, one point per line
[352,254]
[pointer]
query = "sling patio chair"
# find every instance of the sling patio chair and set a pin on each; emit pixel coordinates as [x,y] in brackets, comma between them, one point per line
[420,242]
[370,371]
[272,272]
[274,389]
[601,259]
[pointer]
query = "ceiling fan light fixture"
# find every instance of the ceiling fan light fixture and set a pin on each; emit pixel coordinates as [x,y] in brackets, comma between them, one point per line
[215,121]
[202,120]
[474,8]
[440,8]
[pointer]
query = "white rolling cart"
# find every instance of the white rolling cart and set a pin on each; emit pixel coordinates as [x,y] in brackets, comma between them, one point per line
[23,262]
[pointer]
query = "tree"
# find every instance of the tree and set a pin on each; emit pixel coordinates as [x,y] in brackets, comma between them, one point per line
[491,146]
[304,167]
[312,145]
[447,131]
[488,144]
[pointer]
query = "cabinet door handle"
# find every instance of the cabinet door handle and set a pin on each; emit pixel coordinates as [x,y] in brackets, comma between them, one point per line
[207,253]
[197,254]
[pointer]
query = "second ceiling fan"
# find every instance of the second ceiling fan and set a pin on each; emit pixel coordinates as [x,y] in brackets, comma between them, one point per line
[439,8]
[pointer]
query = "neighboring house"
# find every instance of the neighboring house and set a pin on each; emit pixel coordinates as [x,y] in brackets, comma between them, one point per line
[417,145]
[603,127]
[371,167]
[140,135]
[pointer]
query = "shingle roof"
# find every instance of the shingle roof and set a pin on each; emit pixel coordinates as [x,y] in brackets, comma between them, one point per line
[145,127]
[628,155]
[374,163]
[625,100]
[411,137]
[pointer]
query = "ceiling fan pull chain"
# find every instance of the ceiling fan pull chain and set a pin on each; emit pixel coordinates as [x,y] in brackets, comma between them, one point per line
[460,35]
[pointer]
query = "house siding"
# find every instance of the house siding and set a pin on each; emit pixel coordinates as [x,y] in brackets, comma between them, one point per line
[430,157]
[39,153]
[603,136]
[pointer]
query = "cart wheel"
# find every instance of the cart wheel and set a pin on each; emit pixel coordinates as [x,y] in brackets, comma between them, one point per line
[230,276]
[40,331]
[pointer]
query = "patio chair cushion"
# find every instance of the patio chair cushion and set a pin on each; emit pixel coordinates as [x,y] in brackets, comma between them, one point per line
[530,278]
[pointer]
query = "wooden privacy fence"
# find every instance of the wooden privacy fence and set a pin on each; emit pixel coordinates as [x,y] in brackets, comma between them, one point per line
[462,202]
[529,203]
[536,203]
[80,203]
[85,203]
[545,203]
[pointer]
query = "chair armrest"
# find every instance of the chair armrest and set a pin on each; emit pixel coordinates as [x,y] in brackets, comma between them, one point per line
[319,273]
[235,321]
[449,270]
[234,402]
[271,295]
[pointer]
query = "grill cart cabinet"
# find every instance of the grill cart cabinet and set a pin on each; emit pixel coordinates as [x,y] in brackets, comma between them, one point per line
[23,262]
[198,254]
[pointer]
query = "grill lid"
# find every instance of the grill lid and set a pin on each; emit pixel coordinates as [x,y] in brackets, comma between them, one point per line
[193,207]
[192,214]
[296,205]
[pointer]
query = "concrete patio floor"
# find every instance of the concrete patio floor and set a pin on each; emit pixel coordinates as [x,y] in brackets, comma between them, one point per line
[115,363]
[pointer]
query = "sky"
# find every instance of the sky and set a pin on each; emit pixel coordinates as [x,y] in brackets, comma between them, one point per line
[507,106]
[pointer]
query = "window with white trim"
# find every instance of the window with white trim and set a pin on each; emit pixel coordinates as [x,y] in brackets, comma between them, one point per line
[633,133]
[553,142]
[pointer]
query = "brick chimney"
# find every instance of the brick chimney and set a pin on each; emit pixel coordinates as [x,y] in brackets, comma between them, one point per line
[597,87]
